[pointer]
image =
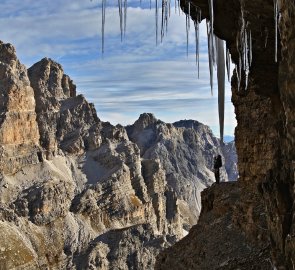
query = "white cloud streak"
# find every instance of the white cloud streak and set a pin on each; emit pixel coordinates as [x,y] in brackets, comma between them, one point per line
[135,76]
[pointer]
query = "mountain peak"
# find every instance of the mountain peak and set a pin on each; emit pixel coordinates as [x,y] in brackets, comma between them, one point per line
[145,120]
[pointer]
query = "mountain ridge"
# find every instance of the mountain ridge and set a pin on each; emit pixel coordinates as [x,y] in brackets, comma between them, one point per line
[79,193]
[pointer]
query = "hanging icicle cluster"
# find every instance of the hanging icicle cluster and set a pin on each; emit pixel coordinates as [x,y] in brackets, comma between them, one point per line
[122,8]
[215,45]
[244,47]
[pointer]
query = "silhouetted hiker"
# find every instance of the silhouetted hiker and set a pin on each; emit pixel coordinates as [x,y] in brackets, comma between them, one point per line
[217,165]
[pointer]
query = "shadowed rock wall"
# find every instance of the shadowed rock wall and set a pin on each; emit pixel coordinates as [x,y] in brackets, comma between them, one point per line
[265,130]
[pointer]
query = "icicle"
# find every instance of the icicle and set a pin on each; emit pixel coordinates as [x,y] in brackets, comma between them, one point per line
[245,49]
[125,16]
[238,79]
[221,83]
[163,20]
[179,7]
[246,67]
[157,25]
[199,21]
[276,29]
[240,71]
[197,35]
[266,37]
[187,31]
[211,34]
[167,13]
[103,12]
[121,18]
[197,44]
[250,48]
[189,14]
[210,55]
[239,66]
[228,63]
[150,4]
[211,14]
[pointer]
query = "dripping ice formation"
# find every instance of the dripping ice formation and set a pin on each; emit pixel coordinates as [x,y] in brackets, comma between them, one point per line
[197,36]
[156,15]
[121,18]
[103,16]
[228,63]
[166,12]
[217,56]
[221,84]
[122,8]
[125,16]
[210,57]
[276,13]
[244,48]
[187,20]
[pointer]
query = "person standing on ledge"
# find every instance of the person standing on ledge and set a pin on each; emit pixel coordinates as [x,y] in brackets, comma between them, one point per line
[217,165]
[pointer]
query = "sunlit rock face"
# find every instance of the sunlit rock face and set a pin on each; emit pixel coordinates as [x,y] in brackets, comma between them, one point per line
[65,120]
[186,150]
[19,134]
[79,193]
[264,212]
[87,185]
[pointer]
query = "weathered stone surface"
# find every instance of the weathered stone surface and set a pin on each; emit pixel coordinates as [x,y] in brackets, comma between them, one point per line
[138,244]
[19,135]
[231,160]
[83,195]
[186,150]
[214,243]
[65,120]
[265,130]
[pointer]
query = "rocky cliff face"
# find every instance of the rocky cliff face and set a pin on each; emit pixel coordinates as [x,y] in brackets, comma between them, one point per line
[215,243]
[19,134]
[78,193]
[264,135]
[186,150]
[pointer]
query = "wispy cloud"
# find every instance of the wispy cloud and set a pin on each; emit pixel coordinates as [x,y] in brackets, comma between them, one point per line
[134,76]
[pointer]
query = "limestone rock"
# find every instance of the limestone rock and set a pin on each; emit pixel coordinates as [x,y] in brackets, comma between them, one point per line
[137,244]
[186,150]
[82,195]
[231,160]
[19,134]
[65,120]
[215,243]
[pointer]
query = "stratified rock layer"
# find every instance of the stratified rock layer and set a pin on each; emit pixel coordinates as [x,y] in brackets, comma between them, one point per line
[19,134]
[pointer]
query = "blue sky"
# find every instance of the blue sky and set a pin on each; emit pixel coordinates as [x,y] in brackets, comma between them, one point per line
[133,76]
